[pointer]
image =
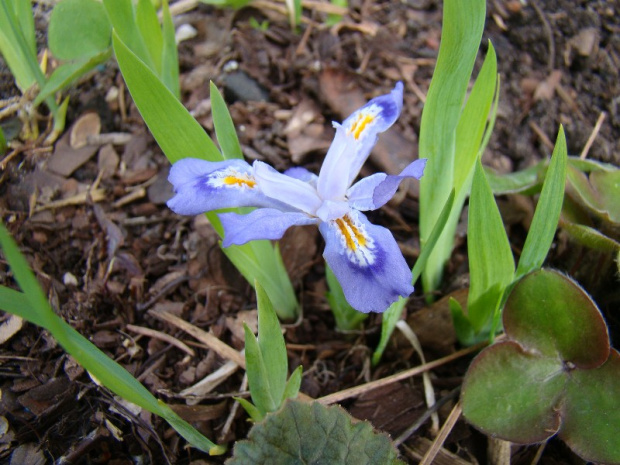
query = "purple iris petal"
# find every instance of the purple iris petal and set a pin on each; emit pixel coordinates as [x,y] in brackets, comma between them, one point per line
[264,223]
[333,180]
[202,186]
[375,191]
[367,262]
[298,172]
[367,122]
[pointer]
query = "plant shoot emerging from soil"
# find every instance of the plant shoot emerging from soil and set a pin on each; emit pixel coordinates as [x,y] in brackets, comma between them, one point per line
[364,257]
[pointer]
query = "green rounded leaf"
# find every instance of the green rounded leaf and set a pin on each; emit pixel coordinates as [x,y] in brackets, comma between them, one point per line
[550,313]
[79,29]
[302,432]
[511,394]
[592,412]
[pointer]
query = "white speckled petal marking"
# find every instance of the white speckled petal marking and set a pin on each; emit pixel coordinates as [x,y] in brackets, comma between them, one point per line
[357,244]
[230,177]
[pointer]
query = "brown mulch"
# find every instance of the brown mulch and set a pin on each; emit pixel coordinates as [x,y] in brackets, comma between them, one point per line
[93,223]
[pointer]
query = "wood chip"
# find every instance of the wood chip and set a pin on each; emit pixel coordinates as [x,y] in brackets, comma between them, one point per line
[87,125]
[10,328]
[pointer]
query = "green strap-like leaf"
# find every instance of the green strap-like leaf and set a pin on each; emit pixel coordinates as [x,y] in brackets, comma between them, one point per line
[258,377]
[66,73]
[122,16]
[463,23]
[150,32]
[547,214]
[491,265]
[178,134]
[271,343]
[170,56]
[224,127]
[17,43]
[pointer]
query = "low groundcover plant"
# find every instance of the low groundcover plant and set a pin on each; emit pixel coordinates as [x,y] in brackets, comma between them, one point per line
[364,257]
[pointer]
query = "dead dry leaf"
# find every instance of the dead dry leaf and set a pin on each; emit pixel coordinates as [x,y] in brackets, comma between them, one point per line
[10,328]
[87,125]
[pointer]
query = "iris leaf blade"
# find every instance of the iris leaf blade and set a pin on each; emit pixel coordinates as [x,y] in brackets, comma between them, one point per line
[491,263]
[547,214]
[463,23]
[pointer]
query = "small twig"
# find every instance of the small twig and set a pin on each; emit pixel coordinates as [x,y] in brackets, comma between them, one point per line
[96,195]
[442,436]
[208,383]
[425,416]
[429,391]
[233,412]
[357,390]
[549,34]
[222,349]
[5,161]
[541,135]
[162,337]
[151,368]
[539,453]
[595,131]
[131,197]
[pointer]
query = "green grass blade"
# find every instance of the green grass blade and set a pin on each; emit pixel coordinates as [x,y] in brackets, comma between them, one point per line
[3,144]
[122,16]
[463,23]
[547,214]
[25,19]
[293,384]
[150,32]
[178,134]
[258,377]
[491,264]
[67,73]
[17,303]
[224,126]
[170,55]
[17,44]
[472,124]
[271,343]
[427,248]
[388,323]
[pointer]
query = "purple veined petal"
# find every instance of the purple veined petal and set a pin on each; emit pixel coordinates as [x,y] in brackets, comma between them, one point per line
[367,262]
[286,189]
[201,186]
[302,174]
[262,223]
[333,180]
[375,191]
[367,122]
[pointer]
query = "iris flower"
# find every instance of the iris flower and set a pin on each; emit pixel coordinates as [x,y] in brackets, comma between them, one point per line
[364,257]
